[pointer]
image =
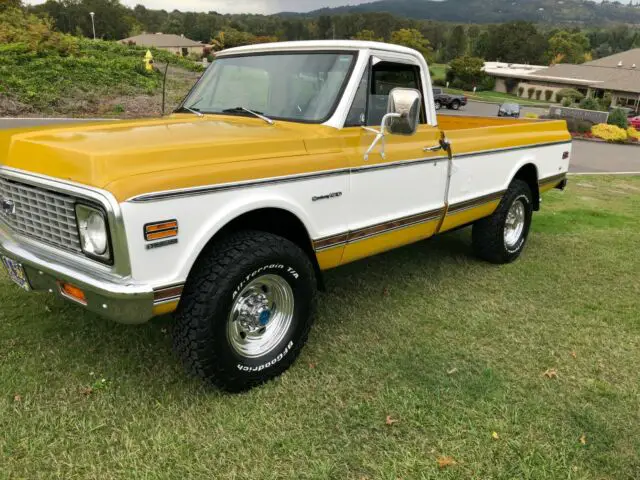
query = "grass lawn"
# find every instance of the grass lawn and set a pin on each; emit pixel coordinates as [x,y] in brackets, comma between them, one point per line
[439,71]
[450,348]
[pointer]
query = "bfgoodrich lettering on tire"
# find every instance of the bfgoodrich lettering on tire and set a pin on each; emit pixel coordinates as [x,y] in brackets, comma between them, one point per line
[246,311]
[501,237]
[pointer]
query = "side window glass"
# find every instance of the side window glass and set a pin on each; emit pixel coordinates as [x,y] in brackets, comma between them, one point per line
[357,116]
[385,77]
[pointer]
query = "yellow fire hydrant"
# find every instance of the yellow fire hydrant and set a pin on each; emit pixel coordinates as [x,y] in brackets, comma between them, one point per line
[148,61]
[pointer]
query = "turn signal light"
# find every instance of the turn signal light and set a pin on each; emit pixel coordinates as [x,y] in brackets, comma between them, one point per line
[72,292]
[160,230]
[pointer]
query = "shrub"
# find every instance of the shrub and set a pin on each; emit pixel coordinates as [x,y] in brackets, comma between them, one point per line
[538,94]
[571,93]
[589,104]
[619,119]
[530,91]
[583,126]
[633,133]
[520,91]
[548,94]
[610,133]
[439,82]
[531,115]
[605,101]
[572,124]
[567,102]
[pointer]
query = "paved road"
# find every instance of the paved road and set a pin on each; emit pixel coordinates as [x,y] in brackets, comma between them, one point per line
[588,157]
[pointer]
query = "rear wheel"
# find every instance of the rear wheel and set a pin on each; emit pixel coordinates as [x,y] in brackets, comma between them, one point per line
[455,105]
[501,237]
[246,311]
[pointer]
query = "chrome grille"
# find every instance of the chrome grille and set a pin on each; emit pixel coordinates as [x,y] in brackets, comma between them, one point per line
[40,214]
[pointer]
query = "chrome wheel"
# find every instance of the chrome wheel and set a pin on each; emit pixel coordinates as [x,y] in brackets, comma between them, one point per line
[514,225]
[260,316]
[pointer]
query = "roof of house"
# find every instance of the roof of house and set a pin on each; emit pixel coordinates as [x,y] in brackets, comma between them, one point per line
[620,60]
[161,40]
[605,78]
[620,72]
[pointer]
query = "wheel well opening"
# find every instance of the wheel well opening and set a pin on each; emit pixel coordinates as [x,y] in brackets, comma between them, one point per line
[529,174]
[278,222]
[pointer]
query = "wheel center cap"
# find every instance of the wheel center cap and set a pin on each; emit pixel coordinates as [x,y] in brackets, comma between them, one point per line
[265,317]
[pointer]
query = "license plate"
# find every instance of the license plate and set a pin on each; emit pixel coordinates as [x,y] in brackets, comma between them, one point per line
[16,273]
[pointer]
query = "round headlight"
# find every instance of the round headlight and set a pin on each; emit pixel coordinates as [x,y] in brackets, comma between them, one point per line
[94,237]
[97,233]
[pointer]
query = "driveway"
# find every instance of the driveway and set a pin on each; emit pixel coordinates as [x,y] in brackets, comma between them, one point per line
[588,157]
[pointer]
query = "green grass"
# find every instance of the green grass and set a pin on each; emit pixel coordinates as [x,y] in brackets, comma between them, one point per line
[497,97]
[91,74]
[439,71]
[450,347]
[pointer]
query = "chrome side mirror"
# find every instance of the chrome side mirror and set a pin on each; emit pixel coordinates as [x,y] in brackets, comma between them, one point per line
[402,118]
[405,102]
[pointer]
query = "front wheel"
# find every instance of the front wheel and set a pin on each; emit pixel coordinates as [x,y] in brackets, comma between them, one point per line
[501,237]
[438,105]
[246,311]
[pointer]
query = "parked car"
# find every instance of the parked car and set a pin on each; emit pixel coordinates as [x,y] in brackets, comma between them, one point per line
[227,212]
[452,102]
[635,122]
[509,110]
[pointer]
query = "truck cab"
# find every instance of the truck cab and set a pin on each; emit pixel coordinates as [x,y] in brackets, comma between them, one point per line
[285,160]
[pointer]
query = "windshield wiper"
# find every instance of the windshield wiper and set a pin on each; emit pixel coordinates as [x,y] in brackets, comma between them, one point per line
[192,110]
[260,115]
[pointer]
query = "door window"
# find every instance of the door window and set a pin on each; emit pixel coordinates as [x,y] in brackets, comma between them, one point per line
[372,98]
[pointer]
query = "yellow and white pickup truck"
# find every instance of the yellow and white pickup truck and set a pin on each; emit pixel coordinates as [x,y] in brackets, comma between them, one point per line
[283,161]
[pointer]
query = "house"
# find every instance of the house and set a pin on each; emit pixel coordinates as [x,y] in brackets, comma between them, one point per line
[178,44]
[618,75]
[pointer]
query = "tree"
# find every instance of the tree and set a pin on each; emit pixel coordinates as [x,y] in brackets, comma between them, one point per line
[568,47]
[6,4]
[467,71]
[412,38]
[367,35]
[516,42]
[457,43]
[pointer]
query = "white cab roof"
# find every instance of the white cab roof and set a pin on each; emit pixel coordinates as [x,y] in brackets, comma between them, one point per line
[320,45]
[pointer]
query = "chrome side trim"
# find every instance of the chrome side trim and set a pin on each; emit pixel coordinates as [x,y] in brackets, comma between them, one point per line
[510,149]
[214,188]
[188,192]
[552,179]
[122,263]
[375,230]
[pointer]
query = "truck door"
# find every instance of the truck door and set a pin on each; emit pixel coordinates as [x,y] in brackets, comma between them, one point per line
[399,198]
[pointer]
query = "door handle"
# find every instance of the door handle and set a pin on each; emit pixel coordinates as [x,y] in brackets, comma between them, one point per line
[435,148]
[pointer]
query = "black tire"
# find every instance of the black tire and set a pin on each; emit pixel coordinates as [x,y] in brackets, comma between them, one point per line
[438,105]
[488,235]
[201,338]
[455,105]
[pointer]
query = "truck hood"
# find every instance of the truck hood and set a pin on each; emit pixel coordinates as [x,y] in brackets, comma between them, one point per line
[141,156]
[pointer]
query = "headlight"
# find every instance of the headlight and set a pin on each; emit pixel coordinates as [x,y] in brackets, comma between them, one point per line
[94,237]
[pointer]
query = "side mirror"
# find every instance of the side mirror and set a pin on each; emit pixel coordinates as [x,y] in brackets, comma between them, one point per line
[404,105]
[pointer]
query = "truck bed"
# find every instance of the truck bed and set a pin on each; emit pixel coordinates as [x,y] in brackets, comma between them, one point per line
[480,134]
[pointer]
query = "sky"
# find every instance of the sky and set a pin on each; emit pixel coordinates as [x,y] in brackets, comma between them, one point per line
[237,6]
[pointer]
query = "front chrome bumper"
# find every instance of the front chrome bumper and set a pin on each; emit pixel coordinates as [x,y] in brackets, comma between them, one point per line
[117,299]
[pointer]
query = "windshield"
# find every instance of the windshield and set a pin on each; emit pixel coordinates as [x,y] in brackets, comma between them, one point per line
[288,86]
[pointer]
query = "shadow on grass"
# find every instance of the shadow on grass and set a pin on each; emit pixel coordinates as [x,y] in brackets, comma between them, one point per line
[83,342]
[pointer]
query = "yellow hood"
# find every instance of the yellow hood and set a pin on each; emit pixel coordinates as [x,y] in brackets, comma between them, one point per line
[134,157]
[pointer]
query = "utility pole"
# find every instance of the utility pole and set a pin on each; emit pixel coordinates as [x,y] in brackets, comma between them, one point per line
[93,24]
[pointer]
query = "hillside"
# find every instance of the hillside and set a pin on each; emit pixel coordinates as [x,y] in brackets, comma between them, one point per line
[499,11]
[46,72]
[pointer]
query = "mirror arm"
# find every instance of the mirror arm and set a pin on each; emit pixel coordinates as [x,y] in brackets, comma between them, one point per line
[380,135]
